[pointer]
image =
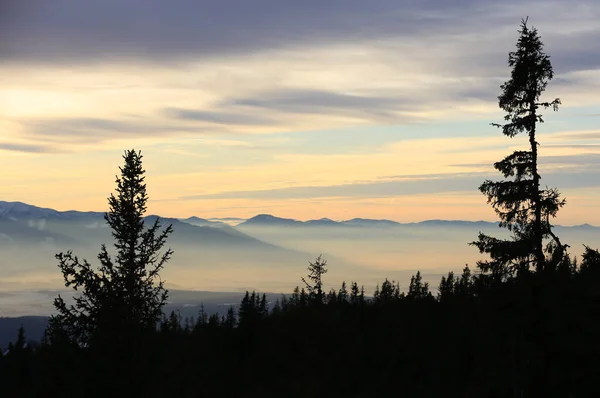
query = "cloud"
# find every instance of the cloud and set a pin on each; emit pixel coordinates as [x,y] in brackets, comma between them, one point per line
[82,130]
[227,118]
[30,148]
[427,184]
[404,185]
[71,31]
[294,101]
[580,161]
[581,136]
[591,160]
[574,146]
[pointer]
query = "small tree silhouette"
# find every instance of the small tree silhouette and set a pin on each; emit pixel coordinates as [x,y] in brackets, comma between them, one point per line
[316,271]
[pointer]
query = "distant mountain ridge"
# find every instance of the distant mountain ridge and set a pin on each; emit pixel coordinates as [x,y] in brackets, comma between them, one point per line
[23,211]
[202,222]
[20,211]
[270,220]
[21,223]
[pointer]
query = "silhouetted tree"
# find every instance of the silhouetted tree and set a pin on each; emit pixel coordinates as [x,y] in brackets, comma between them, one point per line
[230,319]
[343,293]
[253,308]
[316,271]
[447,286]
[523,208]
[121,299]
[389,291]
[417,288]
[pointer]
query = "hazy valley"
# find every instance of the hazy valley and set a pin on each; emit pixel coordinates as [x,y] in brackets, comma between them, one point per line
[265,253]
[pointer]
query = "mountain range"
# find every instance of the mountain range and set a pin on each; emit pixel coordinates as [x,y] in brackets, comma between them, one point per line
[265,252]
[21,211]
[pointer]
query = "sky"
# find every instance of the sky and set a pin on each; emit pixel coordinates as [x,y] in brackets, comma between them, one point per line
[301,109]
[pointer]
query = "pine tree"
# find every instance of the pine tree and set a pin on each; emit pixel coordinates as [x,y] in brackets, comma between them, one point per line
[389,291]
[354,293]
[202,319]
[245,310]
[263,307]
[343,293]
[21,342]
[417,289]
[316,271]
[463,286]
[331,297]
[120,299]
[446,288]
[230,319]
[523,208]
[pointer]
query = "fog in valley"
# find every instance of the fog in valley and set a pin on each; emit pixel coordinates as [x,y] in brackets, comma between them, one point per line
[265,253]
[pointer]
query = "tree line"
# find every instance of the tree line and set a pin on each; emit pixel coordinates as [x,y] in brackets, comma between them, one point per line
[524,323]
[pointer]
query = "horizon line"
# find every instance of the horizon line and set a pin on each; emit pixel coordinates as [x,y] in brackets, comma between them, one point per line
[294,219]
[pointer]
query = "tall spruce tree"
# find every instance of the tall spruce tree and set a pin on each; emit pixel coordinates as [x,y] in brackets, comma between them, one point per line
[316,271]
[125,295]
[522,206]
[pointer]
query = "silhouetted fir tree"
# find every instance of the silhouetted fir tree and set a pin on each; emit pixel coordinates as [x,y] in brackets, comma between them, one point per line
[20,343]
[20,370]
[171,325]
[214,321]
[361,296]
[202,319]
[277,308]
[284,303]
[589,272]
[523,207]
[464,285]
[447,286]
[316,271]
[118,305]
[343,293]
[121,299]
[303,298]
[331,297]
[294,300]
[591,260]
[389,292]
[263,307]
[245,310]
[253,308]
[417,288]
[230,320]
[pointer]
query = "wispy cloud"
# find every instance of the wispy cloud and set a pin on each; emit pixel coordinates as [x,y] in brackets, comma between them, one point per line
[29,148]
[227,118]
[443,183]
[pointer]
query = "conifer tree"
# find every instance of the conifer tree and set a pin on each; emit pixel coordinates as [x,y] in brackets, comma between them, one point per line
[20,344]
[523,207]
[447,286]
[316,271]
[354,292]
[125,295]
[331,298]
[417,288]
[343,293]
[263,308]
[230,319]
[389,291]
